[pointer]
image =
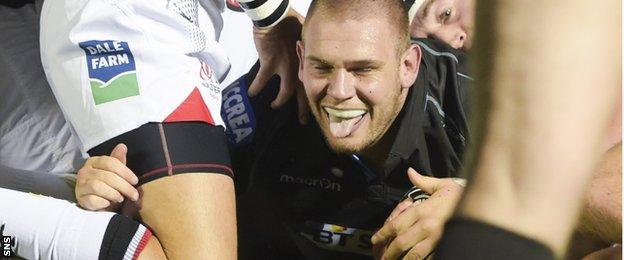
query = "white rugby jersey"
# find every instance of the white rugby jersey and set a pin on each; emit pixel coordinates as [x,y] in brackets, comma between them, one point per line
[118,64]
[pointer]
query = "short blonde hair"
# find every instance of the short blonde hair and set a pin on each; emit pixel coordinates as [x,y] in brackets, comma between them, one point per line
[394,11]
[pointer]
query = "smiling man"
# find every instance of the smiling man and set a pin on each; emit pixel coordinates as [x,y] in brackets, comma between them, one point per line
[356,81]
[382,105]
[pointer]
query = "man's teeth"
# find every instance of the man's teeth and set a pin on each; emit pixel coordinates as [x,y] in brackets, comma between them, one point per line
[345,113]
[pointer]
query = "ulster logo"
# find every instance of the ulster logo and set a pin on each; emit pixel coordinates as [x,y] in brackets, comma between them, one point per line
[112,72]
[209,81]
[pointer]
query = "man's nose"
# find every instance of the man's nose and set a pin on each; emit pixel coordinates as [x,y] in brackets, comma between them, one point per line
[459,39]
[341,85]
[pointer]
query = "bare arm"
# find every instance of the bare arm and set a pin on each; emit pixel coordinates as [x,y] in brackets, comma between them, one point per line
[539,131]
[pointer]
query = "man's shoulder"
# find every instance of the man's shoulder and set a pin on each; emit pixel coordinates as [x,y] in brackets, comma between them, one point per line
[438,48]
[442,69]
[439,103]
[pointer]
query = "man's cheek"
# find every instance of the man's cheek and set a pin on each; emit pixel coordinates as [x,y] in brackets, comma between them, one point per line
[313,90]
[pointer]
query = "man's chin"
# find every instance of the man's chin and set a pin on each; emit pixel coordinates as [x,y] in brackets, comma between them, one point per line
[353,143]
[344,145]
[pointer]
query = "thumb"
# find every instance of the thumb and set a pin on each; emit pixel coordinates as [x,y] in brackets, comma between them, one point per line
[119,153]
[428,184]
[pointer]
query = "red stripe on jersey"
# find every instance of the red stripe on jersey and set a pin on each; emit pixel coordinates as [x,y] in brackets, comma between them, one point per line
[142,244]
[192,109]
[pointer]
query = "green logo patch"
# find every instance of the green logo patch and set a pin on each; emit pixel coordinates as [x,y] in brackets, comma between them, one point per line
[112,71]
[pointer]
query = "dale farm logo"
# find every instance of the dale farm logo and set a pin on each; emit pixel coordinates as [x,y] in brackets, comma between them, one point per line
[112,71]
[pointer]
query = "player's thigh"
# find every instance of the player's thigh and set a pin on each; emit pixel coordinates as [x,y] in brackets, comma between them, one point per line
[186,186]
[192,215]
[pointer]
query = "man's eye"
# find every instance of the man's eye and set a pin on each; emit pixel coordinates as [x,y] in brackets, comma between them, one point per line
[363,70]
[446,14]
[323,69]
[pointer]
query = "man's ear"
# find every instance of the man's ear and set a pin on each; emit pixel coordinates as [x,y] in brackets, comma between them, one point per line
[410,62]
[301,55]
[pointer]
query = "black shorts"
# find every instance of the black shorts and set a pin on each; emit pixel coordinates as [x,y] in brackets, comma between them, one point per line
[157,150]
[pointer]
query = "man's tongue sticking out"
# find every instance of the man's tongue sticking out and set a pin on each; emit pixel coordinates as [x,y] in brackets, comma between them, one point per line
[341,127]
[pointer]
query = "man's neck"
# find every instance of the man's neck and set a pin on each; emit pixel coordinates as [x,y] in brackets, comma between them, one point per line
[377,154]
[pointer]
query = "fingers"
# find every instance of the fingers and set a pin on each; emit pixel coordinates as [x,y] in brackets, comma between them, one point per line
[112,165]
[287,88]
[404,242]
[93,202]
[103,190]
[107,187]
[421,250]
[119,153]
[262,77]
[289,85]
[397,225]
[96,196]
[427,184]
[107,179]
[399,209]
[117,183]
[377,250]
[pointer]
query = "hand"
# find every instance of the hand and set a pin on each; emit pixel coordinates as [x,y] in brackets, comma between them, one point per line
[413,229]
[276,51]
[104,181]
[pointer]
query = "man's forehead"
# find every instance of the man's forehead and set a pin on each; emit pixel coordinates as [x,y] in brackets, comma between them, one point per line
[347,51]
[349,62]
[350,34]
[322,23]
